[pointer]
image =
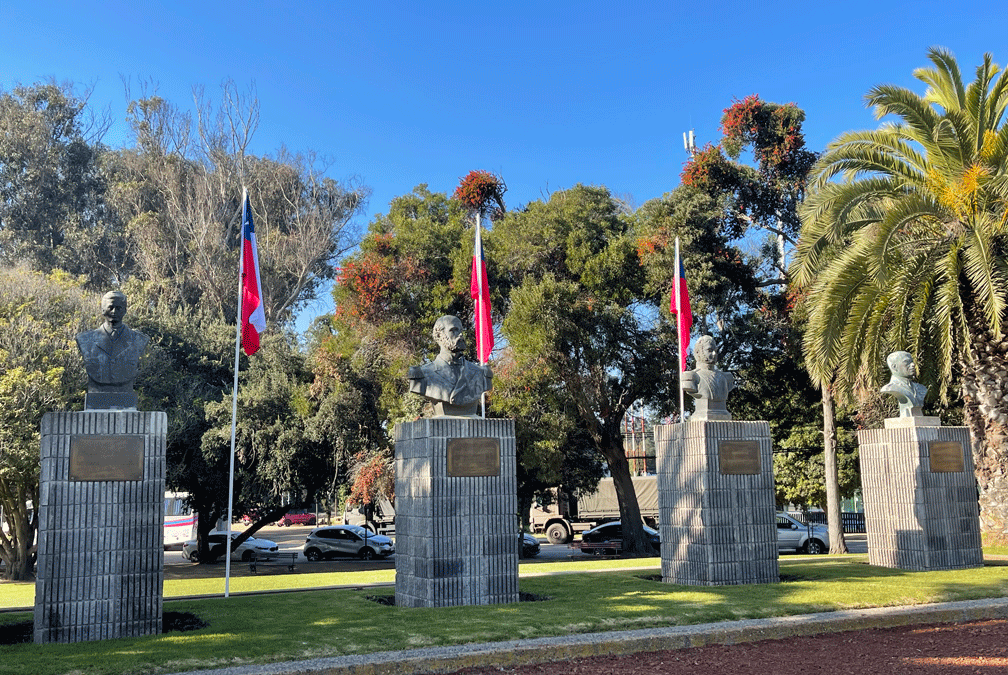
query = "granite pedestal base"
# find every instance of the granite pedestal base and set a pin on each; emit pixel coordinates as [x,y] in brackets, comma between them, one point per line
[101,526]
[920,497]
[716,503]
[456,512]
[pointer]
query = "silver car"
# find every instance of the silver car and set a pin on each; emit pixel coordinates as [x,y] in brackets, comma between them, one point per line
[346,540]
[793,535]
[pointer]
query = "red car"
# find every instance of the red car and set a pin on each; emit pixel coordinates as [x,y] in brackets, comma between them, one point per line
[300,518]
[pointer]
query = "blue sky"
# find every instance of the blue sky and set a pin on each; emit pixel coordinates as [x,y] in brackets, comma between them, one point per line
[546,95]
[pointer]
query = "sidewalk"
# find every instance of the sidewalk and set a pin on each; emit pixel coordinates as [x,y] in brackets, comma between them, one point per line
[543,650]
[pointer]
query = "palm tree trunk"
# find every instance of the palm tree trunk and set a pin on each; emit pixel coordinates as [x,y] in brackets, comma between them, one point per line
[833,515]
[985,397]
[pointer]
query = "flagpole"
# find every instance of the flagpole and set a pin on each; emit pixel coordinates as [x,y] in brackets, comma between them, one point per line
[478,309]
[678,304]
[234,400]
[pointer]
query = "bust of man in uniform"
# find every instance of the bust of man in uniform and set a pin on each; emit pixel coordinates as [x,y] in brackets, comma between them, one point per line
[451,382]
[111,356]
[909,394]
[708,386]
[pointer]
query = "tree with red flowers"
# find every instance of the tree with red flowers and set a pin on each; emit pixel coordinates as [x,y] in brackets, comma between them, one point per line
[765,197]
[482,193]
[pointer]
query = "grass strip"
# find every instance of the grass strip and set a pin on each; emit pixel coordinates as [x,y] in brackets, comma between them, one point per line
[317,623]
[22,593]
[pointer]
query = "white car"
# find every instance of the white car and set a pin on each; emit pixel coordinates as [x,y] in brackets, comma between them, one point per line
[793,535]
[244,552]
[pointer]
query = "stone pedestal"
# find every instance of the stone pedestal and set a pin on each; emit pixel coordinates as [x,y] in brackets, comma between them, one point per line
[101,525]
[457,533]
[920,496]
[716,503]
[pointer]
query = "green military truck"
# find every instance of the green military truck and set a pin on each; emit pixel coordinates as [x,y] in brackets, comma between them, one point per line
[567,516]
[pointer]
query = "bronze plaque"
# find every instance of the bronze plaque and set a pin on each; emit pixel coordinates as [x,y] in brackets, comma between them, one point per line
[739,457]
[473,457]
[100,457]
[946,457]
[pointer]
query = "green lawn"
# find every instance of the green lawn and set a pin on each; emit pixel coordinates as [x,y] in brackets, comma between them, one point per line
[316,623]
[22,594]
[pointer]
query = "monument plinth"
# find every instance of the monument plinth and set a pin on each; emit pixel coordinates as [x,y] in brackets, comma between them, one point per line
[456,505]
[716,503]
[101,525]
[920,497]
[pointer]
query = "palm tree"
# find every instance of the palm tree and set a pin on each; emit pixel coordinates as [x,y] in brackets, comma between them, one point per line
[903,247]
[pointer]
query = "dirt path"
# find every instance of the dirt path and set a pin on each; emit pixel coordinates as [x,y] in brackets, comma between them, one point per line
[974,648]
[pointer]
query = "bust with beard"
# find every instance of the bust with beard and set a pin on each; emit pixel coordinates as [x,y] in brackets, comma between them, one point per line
[452,383]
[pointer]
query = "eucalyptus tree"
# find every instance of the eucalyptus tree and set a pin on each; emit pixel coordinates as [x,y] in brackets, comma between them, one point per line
[53,210]
[178,194]
[903,247]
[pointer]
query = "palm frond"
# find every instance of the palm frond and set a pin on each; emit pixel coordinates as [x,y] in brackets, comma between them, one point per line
[945,80]
[918,117]
[906,226]
[988,278]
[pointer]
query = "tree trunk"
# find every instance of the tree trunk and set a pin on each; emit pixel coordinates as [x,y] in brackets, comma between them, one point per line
[634,542]
[985,399]
[834,518]
[16,544]
[525,498]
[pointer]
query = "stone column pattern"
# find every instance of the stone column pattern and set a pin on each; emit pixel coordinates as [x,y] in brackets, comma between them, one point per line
[456,537]
[716,529]
[917,519]
[101,543]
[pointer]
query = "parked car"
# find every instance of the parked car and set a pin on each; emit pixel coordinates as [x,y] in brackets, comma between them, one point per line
[297,518]
[613,532]
[793,535]
[346,540]
[217,540]
[529,546]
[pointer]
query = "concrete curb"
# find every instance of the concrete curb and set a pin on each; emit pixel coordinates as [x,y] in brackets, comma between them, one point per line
[541,650]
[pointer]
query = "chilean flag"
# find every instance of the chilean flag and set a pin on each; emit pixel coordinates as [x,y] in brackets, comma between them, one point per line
[253,318]
[479,289]
[680,306]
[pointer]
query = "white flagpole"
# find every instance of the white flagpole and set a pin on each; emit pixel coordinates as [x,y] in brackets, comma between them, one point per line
[479,307]
[234,401]
[678,305]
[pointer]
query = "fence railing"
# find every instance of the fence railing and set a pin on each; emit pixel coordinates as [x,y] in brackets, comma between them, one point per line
[852,522]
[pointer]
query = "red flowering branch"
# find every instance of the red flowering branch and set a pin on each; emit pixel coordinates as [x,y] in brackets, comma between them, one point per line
[373,477]
[367,285]
[479,189]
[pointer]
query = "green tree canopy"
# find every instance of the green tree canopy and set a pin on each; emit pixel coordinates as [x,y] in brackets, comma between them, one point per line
[40,372]
[53,211]
[579,314]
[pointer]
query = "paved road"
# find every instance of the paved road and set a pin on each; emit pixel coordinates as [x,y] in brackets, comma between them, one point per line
[293,538]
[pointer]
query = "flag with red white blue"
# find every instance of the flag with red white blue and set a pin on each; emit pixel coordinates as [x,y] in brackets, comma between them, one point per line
[253,317]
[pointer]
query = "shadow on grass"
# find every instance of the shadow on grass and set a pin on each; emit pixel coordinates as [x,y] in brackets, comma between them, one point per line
[171,622]
[389,600]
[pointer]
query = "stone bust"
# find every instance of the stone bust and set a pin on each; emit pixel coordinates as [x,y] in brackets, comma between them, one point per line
[708,386]
[111,356]
[451,382]
[909,394]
